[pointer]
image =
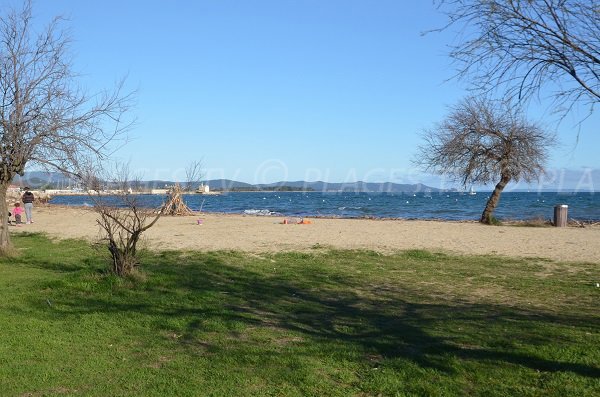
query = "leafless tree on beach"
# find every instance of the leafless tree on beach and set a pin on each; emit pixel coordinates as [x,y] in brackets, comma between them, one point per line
[46,119]
[483,141]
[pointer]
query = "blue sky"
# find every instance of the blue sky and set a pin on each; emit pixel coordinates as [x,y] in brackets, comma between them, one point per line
[268,90]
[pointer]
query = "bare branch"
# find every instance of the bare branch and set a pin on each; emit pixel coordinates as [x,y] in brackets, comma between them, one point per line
[528,47]
[121,217]
[193,175]
[45,118]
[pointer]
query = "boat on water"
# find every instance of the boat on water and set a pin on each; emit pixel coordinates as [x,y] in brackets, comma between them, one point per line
[472,192]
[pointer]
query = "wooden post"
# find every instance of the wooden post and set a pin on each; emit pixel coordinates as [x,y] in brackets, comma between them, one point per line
[560,215]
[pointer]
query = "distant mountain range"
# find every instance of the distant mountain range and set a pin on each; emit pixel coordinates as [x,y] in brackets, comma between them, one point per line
[561,181]
[319,186]
[42,179]
[54,180]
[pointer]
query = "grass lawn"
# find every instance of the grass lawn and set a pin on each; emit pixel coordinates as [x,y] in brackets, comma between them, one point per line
[327,323]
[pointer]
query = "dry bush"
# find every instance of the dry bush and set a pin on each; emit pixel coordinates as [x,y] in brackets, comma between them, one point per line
[123,223]
[122,217]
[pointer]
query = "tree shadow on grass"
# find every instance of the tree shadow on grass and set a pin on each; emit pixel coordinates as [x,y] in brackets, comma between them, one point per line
[36,249]
[335,311]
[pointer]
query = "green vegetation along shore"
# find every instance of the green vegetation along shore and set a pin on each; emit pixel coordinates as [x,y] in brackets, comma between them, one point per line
[323,323]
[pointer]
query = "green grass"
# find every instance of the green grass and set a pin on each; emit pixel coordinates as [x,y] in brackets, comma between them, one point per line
[327,323]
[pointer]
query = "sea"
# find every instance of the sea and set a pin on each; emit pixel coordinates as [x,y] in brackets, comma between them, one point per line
[583,206]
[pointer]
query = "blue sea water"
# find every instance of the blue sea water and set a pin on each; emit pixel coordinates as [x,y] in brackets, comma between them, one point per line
[448,205]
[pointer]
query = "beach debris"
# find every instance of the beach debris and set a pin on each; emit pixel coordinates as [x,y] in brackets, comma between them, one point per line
[200,221]
[175,205]
[296,221]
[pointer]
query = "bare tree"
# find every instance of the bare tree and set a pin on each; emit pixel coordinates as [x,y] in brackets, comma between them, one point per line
[524,45]
[483,141]
[45,119]
[193,175]
[123,219]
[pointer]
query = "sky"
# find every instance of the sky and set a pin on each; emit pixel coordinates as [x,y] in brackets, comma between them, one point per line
[262,91]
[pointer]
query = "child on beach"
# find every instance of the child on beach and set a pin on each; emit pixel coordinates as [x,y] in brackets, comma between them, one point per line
[17,211]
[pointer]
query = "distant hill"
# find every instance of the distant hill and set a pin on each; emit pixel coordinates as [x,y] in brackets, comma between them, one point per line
[360,186]
[227,184]
[40,179]
[584,180]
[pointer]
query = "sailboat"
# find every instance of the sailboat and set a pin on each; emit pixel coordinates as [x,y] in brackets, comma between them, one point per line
[472,192]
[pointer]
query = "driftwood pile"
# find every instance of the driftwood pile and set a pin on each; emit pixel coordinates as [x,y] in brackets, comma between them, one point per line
[175,205]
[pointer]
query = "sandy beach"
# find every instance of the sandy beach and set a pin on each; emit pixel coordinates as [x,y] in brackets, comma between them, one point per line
[267,234]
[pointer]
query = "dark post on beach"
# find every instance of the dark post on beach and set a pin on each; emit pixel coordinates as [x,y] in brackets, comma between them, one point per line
[560,215]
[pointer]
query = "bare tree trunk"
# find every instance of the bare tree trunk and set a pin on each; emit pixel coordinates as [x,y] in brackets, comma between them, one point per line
[490,206]
[5,244]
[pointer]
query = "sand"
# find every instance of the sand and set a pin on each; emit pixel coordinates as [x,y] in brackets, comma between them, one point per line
[266,234]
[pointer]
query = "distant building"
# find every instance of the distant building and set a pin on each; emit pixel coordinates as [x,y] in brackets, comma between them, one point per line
[203,189]
[62,192]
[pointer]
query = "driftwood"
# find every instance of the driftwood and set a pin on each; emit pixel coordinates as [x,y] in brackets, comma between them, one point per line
[575,222]
[175,206]
[583,224]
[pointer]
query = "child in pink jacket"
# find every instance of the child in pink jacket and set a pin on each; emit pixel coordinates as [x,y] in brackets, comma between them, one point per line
[17,212]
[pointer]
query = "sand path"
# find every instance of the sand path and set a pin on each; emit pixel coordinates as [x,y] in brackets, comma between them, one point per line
[266,234]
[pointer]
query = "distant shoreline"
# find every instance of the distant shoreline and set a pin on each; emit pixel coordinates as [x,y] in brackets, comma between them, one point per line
[217,192]
[533,222]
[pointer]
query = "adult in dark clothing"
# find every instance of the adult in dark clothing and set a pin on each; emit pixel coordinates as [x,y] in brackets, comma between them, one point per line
[28,199]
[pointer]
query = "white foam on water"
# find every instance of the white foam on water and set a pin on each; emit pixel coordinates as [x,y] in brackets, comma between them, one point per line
[259,212]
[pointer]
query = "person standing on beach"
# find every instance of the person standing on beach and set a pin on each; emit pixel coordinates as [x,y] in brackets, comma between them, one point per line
[28,199]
